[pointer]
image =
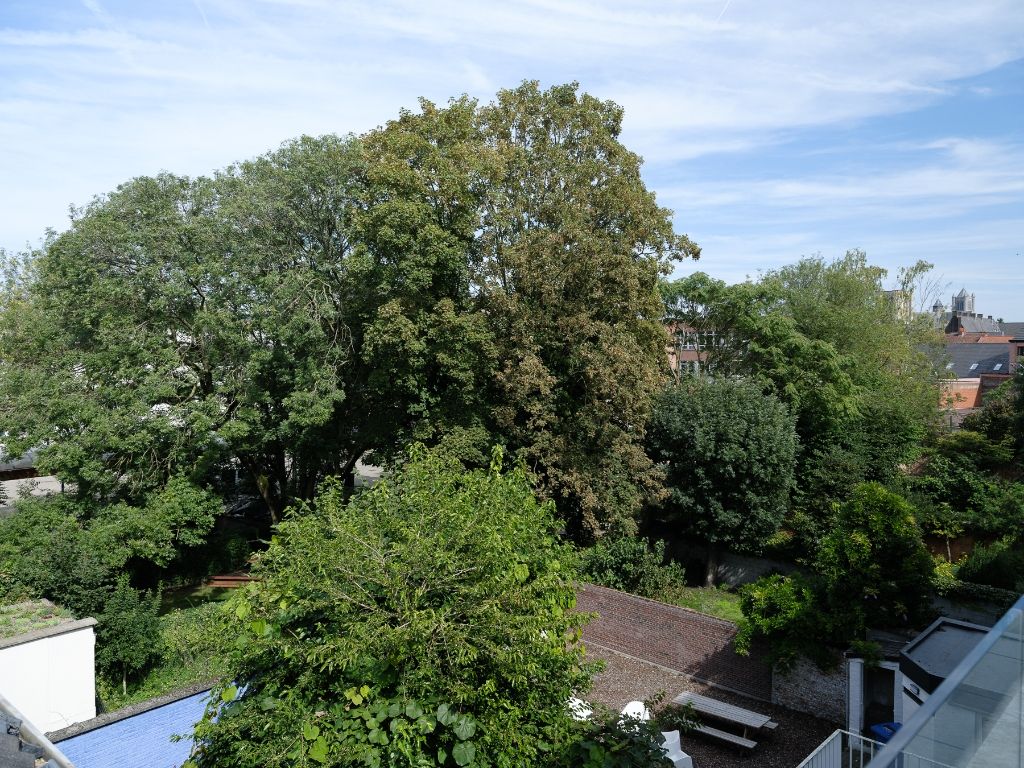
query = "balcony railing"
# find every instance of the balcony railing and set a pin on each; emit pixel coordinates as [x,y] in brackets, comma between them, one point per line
[975,718]
[842,750]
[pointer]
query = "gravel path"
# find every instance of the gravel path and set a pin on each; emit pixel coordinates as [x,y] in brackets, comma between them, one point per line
[627,679]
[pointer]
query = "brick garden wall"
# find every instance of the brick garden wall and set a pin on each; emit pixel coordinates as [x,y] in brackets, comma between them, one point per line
[680,639]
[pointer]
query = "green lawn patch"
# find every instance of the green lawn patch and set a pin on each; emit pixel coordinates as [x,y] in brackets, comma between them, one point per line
[190,597]
[714,601]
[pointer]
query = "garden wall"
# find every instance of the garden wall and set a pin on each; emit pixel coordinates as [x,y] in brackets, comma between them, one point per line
[677,638]
[806,688]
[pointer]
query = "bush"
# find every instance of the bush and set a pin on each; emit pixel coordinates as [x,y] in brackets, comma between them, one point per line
[783,611]
[611,740]
[999,564]
[193,648]
[128,635]
[631,565]
[423,622]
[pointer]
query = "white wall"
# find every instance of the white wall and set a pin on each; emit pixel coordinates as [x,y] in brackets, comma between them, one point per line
[52,679]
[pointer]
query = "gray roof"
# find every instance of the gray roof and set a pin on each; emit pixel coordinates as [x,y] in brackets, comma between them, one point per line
[1014,329]
[930,657]
[968,361]
[979,324]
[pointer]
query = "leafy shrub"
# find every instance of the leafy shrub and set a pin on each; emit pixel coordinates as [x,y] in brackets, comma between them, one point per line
[128,635]
[193,648]
[783,611]
[999,564]
[631,565]
[423,622]
[611,740]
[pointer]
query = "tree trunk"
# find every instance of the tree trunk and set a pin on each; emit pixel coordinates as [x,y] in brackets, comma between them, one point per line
[709,576]
[124,680]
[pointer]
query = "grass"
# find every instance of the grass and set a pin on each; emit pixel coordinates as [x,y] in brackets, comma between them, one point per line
[715,601]
[190,597]
[27,617]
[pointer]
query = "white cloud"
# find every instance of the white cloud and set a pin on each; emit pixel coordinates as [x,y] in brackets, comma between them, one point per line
[96,94]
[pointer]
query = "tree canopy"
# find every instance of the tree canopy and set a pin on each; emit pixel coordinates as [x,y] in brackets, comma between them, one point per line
[729,452]
[465,275]
[425,622]
[844,356]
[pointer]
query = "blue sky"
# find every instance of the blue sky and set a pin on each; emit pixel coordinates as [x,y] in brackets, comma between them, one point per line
[773,130]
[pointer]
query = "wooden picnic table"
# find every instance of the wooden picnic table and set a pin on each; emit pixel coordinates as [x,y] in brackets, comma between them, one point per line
[727,712]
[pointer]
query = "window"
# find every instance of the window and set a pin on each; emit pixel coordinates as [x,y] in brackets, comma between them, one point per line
[997,366]
[973,366]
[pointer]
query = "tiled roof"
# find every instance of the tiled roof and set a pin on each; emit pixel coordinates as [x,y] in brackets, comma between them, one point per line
[968,361]
[979,324]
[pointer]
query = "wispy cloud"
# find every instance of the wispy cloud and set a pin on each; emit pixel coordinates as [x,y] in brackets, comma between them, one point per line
[95,93]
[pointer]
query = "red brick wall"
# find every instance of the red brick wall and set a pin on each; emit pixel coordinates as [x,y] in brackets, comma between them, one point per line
[677,638]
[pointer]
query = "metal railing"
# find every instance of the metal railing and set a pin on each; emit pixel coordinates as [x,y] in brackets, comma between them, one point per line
[975,718]
[842,750]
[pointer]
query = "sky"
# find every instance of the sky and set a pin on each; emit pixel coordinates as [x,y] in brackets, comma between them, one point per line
[773,130]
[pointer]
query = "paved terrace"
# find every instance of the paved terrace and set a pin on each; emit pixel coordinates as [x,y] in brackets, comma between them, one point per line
[627,679]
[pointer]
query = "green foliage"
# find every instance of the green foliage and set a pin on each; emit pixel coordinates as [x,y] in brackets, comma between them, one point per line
[729,450]
[172,519]
[784,611]
[999,564]
[960,488]
[46,551]
[874,568]
[71,551]
[632,565]
[572,247]
[426,621]
[999,417]
[824,338]
[128,634]
[611,740]
[871,570]
[462,276]
[193,648]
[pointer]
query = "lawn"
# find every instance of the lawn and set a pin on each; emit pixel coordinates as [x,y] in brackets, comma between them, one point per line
[715,601]
[190,597]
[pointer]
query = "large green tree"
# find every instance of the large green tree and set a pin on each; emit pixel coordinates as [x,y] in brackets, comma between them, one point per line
[425,622]
[463,275]
[572,246]
[729,451]
[848,359]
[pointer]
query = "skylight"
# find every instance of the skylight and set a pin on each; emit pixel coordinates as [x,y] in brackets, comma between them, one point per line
[997,366]
[973,366]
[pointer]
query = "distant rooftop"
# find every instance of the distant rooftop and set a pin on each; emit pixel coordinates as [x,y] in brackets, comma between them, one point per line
[22,618]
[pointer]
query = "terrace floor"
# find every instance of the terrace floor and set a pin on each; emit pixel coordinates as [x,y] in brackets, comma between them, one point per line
[626,679]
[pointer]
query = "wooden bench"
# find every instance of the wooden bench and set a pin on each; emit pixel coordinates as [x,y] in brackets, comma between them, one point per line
[731,738]
[729,713]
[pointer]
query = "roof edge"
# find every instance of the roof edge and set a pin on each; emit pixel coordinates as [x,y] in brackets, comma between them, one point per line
[40,634]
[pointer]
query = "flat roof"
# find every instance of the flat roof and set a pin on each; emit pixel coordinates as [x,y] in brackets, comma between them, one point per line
[930,657]
[30,616]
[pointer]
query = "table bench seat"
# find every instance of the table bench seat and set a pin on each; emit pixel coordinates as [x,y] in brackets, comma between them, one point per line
[731,738]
